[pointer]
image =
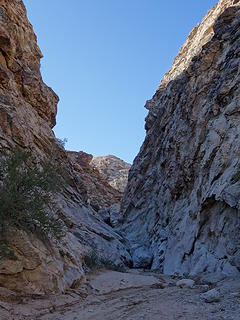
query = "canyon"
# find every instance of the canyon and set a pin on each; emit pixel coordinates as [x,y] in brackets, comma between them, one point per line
[172,214]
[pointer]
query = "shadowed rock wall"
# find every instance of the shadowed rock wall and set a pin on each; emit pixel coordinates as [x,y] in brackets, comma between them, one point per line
[181,204]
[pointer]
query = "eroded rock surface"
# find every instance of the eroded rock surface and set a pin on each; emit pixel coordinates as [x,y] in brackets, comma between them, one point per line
[181,201]
[113,169]
[99,193]
[27,115]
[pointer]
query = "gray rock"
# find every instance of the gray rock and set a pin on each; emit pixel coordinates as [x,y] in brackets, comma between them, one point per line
[114,214]
[180,200]
[203,287]
[142,258]
[211,296]
[110,215]
[113,169]
[235,294]
[185,283]
[212,279]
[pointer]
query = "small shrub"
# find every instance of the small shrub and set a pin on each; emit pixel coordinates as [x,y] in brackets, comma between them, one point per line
[91,261]
[236,177]
[109,265]
[62,142]
[27,195]
[94,262]
[5,251]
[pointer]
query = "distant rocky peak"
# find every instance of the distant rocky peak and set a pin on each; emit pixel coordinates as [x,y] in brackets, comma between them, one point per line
[113,169]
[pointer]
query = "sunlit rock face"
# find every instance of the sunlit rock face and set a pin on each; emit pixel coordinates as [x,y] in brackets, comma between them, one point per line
[27,106]
[113,169]
[27,115]
[181,202]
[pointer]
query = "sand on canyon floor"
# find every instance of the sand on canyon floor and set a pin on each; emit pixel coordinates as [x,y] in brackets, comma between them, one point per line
[135,295]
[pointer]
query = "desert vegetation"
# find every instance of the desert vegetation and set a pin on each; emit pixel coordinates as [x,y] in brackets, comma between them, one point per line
[27,193]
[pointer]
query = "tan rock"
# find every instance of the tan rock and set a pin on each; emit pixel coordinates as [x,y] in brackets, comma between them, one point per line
[113,169]
[99,193]
[27,115]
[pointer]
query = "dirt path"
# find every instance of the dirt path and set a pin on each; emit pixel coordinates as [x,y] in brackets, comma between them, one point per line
[129,296]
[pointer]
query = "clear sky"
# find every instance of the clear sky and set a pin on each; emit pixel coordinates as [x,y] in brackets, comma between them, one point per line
[105,58]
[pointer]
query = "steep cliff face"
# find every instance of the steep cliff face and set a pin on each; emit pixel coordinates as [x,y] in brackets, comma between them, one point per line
[27,115]
[180,211]
[113,169]
[23,95]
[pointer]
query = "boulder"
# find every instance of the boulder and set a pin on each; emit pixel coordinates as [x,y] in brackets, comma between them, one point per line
[142,258]
[210,296]
[185,283]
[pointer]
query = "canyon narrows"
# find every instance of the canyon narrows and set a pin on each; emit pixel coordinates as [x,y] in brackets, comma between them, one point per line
[174,213]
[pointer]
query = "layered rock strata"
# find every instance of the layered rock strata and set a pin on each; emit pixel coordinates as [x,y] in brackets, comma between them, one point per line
[182,200]
[27,115]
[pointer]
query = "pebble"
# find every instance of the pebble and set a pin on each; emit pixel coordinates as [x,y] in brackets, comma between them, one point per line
[185,283]
[235,294]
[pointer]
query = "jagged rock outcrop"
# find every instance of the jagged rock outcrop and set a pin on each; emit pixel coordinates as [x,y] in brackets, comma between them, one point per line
[113,169]
[181,201]
[27,115]
[99,193]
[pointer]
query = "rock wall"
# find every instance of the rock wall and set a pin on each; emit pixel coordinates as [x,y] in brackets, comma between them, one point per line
[180,212]
[113,169]
[27,115]
[99,193]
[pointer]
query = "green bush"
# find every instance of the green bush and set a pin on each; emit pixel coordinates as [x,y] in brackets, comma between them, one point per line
[94,262]
[5,251]
[27,194]
[236,177]
[62,142]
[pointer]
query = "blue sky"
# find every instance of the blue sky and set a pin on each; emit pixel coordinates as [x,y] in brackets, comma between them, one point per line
[105,58]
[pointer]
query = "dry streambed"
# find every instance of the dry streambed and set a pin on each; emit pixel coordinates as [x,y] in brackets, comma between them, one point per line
[135,295]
